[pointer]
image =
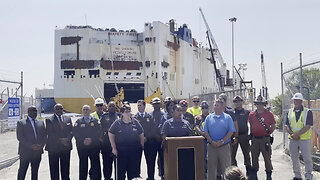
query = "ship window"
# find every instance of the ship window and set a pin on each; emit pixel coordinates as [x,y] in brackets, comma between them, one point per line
[94,73]
[116,73]
[138,74]
[108,73]
[68,74]
[128,74]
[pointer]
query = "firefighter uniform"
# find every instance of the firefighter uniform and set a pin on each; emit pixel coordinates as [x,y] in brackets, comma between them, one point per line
[88,127]
[128,145]
[150,148]
[106,150]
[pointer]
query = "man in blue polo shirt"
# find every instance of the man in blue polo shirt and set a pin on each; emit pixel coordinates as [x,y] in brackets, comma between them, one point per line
[218,129]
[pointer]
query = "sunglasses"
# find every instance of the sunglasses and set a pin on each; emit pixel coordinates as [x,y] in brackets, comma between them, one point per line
[204,108]
[59,108]
[99,105]
[195,101]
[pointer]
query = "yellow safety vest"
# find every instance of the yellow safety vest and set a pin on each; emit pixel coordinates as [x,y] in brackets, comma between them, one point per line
[194,111]
[95,115]
[297,126]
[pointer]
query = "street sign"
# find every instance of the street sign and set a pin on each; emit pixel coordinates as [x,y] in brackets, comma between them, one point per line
[13,112]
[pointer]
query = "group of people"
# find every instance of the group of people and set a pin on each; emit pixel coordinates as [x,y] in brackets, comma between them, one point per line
[121,137]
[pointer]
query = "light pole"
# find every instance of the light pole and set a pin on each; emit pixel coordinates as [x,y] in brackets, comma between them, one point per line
[233,20]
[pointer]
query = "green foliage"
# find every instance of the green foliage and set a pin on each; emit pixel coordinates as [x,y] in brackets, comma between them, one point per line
[277,110]
[310,80]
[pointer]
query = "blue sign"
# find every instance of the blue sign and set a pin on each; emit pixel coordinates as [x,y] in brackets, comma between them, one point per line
[13,107]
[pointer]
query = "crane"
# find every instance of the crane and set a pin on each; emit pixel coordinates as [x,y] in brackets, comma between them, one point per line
[216,56]
[264,90]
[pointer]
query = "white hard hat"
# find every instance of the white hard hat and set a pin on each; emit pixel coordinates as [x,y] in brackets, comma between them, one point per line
[99,101]
[156,100]
[297,96]
[167,99]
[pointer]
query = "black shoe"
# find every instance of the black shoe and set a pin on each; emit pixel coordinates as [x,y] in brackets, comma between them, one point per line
[268,173]
[297,178]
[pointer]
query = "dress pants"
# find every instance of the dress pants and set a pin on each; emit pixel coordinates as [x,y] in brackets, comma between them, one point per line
[150,153]
[34,160]
[64,159]
[107,158]
[95,170]
[218,157]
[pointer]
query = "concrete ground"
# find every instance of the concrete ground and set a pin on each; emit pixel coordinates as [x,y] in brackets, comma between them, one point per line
[9,147]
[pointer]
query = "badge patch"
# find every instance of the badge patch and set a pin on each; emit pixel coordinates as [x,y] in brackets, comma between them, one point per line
[148,120]
[92,124]
[83,125]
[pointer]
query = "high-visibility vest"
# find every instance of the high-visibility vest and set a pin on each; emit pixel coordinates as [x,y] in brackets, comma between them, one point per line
[297,126]
[95,115]
[194,111]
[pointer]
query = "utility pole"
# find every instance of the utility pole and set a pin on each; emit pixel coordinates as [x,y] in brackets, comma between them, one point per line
[233,20]
[21,98]
[301,78]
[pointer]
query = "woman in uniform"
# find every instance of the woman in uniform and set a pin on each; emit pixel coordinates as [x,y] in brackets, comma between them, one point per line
[127,141]
[176,126]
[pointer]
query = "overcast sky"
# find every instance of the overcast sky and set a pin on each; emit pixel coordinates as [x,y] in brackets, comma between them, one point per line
[281,29]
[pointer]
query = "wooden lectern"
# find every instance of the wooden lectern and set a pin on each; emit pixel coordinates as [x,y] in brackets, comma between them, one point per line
[183,158]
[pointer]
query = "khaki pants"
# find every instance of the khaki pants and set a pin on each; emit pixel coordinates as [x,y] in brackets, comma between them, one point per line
[243,140]
[218,157]
[305,147]
[261,145]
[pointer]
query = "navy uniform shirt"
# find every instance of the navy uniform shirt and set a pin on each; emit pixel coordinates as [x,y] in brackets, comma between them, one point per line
[106,121]
[231,113]
[148,125]
[127,135]
[90,129]
[172,128]
[242,116]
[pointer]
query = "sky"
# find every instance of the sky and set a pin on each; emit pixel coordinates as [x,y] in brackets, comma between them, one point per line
[281,29]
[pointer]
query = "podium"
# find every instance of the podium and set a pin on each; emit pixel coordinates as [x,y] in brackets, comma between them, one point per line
[183,158]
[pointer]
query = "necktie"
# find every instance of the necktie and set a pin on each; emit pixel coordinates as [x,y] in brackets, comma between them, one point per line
[60,122]
[34,128]
[142,115]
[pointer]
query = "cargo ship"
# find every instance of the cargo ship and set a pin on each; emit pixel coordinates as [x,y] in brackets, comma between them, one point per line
[94,62]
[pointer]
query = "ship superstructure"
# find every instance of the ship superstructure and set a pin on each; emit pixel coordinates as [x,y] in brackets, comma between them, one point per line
[93,62]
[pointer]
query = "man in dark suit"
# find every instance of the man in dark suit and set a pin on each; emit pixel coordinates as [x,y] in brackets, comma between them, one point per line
[59,131]
[31,134]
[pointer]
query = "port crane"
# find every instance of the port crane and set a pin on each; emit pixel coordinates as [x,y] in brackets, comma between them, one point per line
[216,56]
[264,89]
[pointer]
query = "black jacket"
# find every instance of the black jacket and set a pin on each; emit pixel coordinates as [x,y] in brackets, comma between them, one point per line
[82,130]
[26,137]
[55,132]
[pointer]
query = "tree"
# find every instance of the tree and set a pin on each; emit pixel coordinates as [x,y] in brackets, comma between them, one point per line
[310,79]
[277,110]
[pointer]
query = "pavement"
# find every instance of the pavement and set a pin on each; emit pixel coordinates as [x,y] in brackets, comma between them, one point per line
[9,148]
